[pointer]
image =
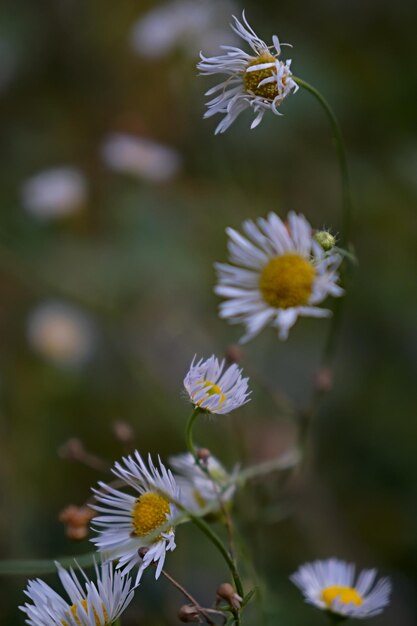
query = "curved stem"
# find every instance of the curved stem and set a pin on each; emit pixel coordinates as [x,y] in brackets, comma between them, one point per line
[189,431]
[341,155]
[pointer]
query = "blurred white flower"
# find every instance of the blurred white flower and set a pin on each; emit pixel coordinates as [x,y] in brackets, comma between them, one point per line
[331,585]
[199,488]
[187,24]
[61,333]
[140,157]
[54,192]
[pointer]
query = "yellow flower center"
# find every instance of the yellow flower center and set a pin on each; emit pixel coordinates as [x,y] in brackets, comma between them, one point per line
[346,595]
[150,512]
[252,79]
[287,281]
[211,390]
[74,611]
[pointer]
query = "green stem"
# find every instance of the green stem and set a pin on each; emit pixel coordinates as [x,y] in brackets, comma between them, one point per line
[341,155]
[34,567]
[215,539]
[189,431]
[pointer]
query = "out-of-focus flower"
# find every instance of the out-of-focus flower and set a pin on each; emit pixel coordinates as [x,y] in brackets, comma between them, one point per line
[140,157]
[199,488]
[61,333]
[54,193]
[330,585]
[260,81]
[186,24]
[279,272]
[90,603]
[215,389]
[125,522]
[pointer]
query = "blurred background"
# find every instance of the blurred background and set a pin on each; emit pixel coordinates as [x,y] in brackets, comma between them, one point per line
[115,196]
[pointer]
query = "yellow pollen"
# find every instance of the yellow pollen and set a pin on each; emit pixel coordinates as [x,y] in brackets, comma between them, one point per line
[286,281]
[346,595]
[252,79]
[74,609]
[150,512]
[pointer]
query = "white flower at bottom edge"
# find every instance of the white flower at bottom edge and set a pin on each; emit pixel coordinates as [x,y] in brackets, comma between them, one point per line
[260,81]
[98,603]
[330,585]
[125,521]
[199,489]
[215,389]
[278,273]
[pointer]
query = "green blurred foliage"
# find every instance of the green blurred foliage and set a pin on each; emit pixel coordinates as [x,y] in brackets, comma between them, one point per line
[138,260]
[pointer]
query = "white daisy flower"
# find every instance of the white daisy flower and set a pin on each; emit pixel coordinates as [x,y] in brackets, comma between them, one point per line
[215,389]
[279,272]
[199,488]
[128,520]
[330,585]
[259,81]
[90,603]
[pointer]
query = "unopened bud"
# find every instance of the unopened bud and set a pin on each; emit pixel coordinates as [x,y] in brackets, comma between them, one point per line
[123,431]
[226,592]
[188,613]
[325,239]
[233,354]
[73,449]
[203,455]
[324,379]
[142,551]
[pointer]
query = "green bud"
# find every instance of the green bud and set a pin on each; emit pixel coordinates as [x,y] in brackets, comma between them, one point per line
[325,239]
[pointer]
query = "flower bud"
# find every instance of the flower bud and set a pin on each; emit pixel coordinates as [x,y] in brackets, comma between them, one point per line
[123,431]
[324,379]
[203,455]
[188,613]
[142,551]
[233,354]
[325,239]
[226,592]
[76,520]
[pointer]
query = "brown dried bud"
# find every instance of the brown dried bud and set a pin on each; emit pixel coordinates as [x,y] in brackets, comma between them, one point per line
[189,613]
[142,551]
[233,354]
[76,534]
[123,431]
[324,379]
[226,592]
[203,455]
[76,520]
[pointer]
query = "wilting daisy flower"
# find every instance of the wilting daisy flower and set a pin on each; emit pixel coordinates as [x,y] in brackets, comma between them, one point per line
[140,157]
[61,333]
[54,193]
[215,389]
[199,488]
[331,585]
[128,520]
[259,81]
[279,272]
[90,603]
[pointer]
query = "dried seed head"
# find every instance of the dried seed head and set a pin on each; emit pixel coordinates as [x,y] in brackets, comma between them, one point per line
[76,520]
